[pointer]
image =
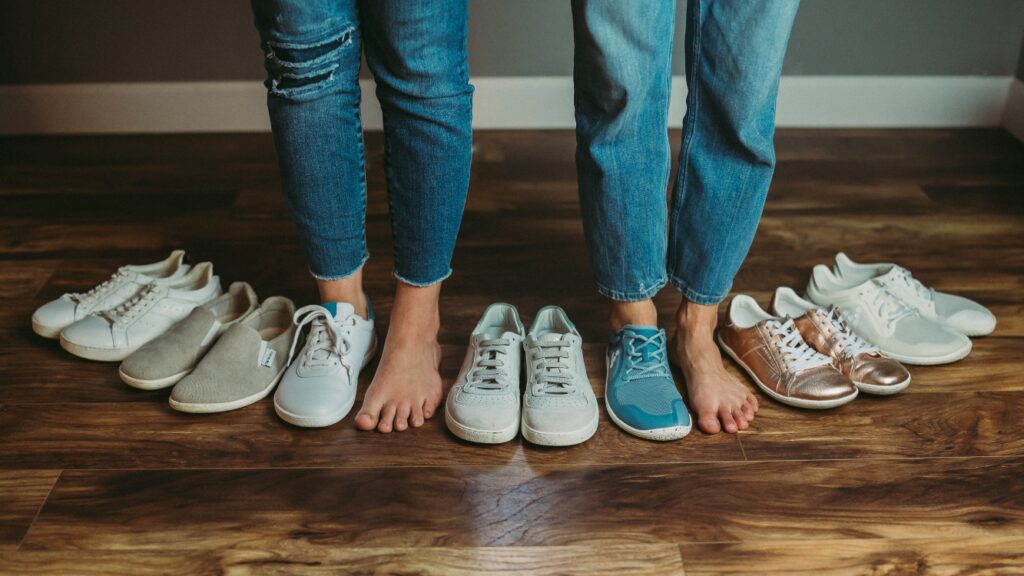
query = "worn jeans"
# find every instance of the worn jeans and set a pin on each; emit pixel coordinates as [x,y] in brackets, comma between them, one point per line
[734,53]
[416,51]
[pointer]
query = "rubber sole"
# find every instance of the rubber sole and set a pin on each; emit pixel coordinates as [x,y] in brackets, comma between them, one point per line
[932,360]
[480,436]
[657,434]
[796,402]
[157,384]
[50,332]
[334,417]
[876,390]
[213,408]
[98,354]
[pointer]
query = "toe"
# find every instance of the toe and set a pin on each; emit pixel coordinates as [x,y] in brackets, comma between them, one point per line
[708,422]
[728,422]
[429,407]
[752,400]
[748,411]
[741,420]
[387,418]
[416,416]
[402,417]
[368,416]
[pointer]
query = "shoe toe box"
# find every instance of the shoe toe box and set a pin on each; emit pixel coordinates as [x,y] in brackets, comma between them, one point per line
[91,331]
[312,397]
[56,313]
[649,405]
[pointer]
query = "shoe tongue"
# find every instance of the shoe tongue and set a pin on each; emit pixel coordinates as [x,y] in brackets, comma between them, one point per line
[550,337]
[340,310]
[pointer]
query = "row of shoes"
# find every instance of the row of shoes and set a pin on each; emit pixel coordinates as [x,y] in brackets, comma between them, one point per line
[558,406]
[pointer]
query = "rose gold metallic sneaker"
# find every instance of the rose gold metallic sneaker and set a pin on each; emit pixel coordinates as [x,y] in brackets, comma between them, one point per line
[826,331]
[776,357]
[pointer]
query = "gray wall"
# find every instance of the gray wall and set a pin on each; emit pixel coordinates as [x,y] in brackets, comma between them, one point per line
[47,41]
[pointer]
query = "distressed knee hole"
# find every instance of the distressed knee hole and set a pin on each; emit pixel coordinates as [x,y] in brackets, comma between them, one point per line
[300,68]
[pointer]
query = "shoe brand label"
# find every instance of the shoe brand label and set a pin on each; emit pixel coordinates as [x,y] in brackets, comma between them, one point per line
[268,358]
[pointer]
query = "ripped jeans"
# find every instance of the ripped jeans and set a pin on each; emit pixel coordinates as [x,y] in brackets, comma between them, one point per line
[416,51]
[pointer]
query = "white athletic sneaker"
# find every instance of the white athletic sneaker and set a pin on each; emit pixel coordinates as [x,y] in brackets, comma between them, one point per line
[114,334]
[883,319]
[559,406]
[56,315]
[956,312]
[483,404]
[319,387]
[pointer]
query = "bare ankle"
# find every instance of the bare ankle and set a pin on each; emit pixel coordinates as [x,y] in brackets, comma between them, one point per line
[642,313]
[696,322]
[349,289]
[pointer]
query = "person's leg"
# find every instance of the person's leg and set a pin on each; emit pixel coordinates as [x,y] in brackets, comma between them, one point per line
[734,53]
[416,50]
[622,76]
[312,51]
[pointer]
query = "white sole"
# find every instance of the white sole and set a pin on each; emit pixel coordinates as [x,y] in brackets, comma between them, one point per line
[932,360]
[335,417]
[570,438]
[657,434]
[876,390]
[157,384]
[481,436]
[98,354]
[226,406]
[796,402]
[51,332]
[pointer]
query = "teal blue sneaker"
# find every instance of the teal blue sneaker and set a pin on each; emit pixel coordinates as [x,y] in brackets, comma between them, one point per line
[639,391]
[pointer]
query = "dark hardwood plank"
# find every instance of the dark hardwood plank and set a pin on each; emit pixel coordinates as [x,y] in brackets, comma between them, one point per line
[22,493]
[947,556]
[531,506]
[306,558]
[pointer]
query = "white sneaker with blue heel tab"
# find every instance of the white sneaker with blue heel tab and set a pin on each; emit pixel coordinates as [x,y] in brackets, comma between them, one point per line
[319,387]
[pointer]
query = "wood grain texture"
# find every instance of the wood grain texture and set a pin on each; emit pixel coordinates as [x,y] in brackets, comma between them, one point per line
[532,505]
[950,556]
[927,482]
[22,493]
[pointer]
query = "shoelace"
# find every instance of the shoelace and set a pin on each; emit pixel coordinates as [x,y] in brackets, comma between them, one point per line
[553,372]
[848,343]
[327,339]
[796,354]
[134,306]
[925,294]
[889,308]
[101,289]
[640,369]
[489,372]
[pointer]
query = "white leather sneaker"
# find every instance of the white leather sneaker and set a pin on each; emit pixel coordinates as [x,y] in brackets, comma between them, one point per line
[319,387]
[559,406]
[877,315]
[56,315]
[956,312]
[483,404]
[114,334]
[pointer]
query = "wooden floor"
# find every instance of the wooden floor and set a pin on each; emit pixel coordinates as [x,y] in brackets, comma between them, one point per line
[98,478]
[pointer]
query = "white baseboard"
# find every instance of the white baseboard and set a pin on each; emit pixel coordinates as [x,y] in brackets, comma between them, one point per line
[1013,117]
[500,103]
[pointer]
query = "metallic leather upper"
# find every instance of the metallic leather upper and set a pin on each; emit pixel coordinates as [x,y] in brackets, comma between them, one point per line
[757,349]
[864,367]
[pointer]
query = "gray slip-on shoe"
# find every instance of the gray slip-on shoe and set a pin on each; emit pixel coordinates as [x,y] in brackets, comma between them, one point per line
[164,361]
[243,366]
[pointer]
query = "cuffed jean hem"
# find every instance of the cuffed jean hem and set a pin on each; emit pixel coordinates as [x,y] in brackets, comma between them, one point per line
[694,296]
[422,284]
[332,277]
[632,296]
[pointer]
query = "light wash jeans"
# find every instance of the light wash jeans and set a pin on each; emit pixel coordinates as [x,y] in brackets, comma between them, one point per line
[416,50]
[734,53]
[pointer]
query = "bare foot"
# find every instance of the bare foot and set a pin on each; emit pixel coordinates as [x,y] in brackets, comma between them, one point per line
[406,389]
[719,399]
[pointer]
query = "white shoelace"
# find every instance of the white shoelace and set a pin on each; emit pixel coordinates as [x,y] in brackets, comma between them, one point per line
[656,368]
[101,289]
[924,294]
[847,341]
[489,372]
[135,305]
[889,308]
[553,373]
[327,342]
[796,354]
